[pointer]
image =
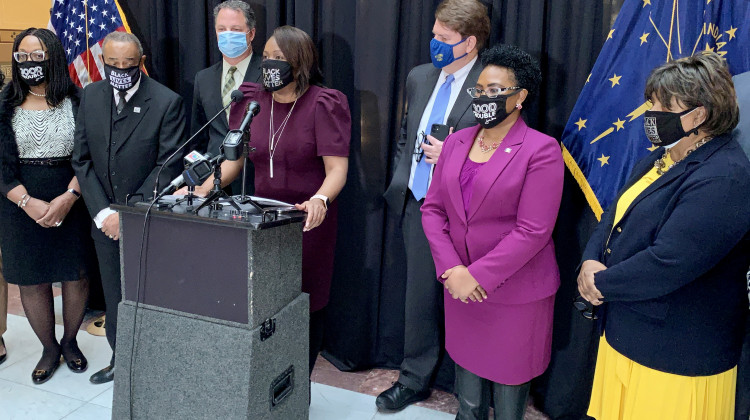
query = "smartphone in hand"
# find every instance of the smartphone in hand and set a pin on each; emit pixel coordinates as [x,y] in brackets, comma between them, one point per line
[439,131]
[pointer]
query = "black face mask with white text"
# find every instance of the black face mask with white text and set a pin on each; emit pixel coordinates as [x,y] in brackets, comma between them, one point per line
[489,112]
[277,74]
[664,128]
[33,73]
[122,79]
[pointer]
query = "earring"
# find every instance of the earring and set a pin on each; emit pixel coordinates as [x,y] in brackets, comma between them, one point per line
[519,106]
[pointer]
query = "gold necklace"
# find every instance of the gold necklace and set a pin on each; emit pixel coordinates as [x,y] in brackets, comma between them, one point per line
[661,166]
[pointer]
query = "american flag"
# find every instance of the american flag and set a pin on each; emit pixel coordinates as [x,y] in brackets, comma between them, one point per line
[82,25]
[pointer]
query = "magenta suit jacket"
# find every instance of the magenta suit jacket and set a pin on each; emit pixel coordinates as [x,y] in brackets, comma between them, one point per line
[505,237]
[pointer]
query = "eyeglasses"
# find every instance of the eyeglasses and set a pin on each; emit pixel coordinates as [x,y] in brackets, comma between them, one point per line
[492,92]
[36,56]
[586,308]
[418,151]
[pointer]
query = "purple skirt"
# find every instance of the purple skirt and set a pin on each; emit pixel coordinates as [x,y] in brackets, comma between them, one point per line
[507,344]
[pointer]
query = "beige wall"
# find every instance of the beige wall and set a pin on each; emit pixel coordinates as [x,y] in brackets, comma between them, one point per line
[15,16]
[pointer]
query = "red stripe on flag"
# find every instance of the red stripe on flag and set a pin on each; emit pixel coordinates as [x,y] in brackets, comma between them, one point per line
[74,74]
[88,60]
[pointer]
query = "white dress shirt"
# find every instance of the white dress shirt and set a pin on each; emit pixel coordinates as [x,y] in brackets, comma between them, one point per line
[459,77]
[239,74]
[106,212]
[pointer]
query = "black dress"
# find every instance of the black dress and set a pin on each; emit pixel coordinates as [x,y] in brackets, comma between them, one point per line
[31,253]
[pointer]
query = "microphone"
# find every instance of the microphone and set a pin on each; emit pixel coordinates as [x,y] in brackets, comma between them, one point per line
[236,97]
[232,144]
[252,110]
[193,159]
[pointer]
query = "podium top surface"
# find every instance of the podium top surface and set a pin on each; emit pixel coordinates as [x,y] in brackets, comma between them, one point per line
[248,217]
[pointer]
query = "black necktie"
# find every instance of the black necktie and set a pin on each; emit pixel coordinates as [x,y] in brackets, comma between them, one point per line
[121,104]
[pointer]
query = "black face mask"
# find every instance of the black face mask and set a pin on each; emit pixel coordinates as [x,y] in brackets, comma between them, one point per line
[32,72]
[490,112]
[664,128]
[277,74]
[122,79]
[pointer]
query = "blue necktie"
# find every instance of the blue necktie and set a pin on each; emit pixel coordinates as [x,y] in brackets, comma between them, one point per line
[437,116]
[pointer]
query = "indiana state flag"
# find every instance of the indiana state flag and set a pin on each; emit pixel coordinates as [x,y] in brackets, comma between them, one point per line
[604,136]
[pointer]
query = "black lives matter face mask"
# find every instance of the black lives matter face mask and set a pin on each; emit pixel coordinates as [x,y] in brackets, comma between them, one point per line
[33,73]
[664,128]
[122,79]
[277,74]
[490,112]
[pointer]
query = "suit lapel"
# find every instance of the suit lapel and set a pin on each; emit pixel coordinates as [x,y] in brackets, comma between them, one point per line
[421,97]
[214,95]
[463,101]
[452,172]
[496,165]
[135,110]
[107,98]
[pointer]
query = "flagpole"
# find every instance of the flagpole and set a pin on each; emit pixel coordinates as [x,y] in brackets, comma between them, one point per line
[88,48]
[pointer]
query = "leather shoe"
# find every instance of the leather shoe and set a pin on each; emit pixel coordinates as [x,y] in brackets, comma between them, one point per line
[5,354]
[75,360]
[41,376]
[399,396]
[103,376]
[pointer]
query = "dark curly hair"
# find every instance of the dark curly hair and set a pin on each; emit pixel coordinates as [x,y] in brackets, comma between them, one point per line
[524,67]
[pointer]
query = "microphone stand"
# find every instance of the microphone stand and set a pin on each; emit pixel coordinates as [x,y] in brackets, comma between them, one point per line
[246,151]
[217,192]
[235,98]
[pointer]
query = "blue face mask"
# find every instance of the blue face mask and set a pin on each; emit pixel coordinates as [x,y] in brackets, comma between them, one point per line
[232,44]
[442,53]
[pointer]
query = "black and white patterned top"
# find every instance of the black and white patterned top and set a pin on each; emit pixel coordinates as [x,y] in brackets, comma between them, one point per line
[45,134]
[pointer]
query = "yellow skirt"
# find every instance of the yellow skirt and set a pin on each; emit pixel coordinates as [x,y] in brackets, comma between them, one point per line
[626,390]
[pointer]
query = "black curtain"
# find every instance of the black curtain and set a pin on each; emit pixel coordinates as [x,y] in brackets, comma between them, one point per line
[366,50]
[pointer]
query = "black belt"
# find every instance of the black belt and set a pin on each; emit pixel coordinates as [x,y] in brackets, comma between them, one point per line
[58,161]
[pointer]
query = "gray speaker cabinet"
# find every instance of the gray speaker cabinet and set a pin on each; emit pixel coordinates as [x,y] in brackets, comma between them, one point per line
[215,326]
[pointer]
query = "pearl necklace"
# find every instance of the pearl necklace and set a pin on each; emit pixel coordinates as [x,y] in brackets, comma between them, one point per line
[662,168]
[37,94]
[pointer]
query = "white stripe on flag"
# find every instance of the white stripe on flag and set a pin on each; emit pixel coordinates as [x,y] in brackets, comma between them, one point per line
[83,74]
[96,52]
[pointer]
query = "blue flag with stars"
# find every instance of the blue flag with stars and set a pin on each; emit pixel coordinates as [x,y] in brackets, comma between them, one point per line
[604,136]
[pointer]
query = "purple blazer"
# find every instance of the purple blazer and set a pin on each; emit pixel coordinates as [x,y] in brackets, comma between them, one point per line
[505,240]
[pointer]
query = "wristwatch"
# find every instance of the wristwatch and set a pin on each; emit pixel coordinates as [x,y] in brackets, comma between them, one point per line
[325,199]
[74,192]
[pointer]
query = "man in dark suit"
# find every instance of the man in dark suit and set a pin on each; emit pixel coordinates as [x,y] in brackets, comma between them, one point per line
[235,30]
[127,126]
[435,94]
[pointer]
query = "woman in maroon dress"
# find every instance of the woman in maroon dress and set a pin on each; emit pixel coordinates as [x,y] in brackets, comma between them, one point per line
[301,136]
